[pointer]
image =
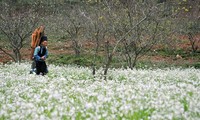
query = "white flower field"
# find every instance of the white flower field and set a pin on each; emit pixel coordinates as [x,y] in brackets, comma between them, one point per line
[73,93]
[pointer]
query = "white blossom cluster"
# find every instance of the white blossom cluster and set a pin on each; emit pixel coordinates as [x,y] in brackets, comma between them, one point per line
[73,93]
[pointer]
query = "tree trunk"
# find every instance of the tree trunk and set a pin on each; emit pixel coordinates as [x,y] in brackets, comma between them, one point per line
[192,42]
[76,48]
[17,55]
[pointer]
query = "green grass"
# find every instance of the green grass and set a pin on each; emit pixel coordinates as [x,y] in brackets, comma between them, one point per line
[87,60]
[81,60]
[195,65]
[143,114]
[185,104]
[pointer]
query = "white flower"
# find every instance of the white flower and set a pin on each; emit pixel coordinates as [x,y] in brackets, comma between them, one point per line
[88,105]
[65,92]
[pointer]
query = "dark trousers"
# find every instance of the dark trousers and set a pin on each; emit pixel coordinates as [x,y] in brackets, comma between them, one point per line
[41,67]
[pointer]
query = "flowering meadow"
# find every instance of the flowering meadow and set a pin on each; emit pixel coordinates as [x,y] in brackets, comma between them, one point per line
[73,93]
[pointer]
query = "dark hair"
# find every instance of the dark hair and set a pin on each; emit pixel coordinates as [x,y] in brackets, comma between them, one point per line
[43,38]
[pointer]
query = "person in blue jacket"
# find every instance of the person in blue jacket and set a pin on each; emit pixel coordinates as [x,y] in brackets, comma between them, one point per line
[40,55]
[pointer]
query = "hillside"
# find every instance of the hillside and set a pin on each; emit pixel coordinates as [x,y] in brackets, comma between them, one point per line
[157,57]
[117,33]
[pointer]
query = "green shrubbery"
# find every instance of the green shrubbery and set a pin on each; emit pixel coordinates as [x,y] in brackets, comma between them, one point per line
[87,60]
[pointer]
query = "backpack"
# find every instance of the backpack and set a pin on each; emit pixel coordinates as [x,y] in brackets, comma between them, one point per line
[35,39]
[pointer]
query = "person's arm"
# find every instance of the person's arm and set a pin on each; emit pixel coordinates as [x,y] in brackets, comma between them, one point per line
[36,56]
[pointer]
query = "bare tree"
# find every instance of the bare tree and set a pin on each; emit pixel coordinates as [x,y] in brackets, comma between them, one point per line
[188,19]
[95,29]
[72,24]
[193,30]
[133,24]
[143,37]
[16,26]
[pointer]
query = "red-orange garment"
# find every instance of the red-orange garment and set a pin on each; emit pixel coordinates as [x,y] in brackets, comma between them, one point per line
[35,39]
